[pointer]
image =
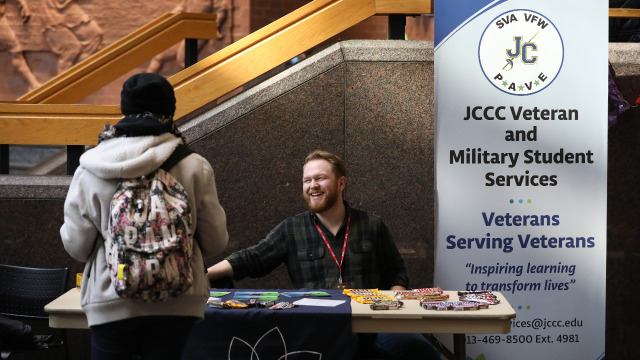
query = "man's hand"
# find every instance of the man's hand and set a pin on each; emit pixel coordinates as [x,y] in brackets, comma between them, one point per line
[220,270]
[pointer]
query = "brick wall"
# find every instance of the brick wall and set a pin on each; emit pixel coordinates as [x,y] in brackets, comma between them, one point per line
[263,12]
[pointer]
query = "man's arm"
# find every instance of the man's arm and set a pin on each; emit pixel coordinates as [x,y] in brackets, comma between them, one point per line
[255,261]
[220,270]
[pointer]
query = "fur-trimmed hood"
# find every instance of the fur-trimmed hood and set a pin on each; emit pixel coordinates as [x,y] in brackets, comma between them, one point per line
[128,157]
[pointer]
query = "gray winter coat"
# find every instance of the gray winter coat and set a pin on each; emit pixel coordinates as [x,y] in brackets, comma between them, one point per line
[86,214]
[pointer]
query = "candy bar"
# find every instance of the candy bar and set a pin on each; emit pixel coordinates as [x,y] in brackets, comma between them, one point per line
[429,291]
[480,297]
[408,295]
[236,304]
[264,304]
[386,305]
[449,305]
[218,304]
[282,305]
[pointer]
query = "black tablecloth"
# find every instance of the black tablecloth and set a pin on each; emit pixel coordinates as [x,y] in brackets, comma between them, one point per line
[303,332]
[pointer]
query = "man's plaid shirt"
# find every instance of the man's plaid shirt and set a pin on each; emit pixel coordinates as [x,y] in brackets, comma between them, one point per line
[371,259]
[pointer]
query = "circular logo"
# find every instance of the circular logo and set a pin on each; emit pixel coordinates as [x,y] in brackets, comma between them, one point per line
[521,52]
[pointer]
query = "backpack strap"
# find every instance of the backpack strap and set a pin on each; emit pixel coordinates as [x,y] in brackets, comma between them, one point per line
[181,152]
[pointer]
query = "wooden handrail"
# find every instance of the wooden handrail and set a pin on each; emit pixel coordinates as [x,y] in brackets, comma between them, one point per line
[274,44]
[624,13]
[122,56]
[408,7]
[54,124]
[217,74]
[208,79]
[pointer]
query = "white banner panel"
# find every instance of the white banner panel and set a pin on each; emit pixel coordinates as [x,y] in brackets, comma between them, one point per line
[521,168]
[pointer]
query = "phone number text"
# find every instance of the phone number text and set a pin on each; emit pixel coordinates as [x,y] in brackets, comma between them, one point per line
[522,339]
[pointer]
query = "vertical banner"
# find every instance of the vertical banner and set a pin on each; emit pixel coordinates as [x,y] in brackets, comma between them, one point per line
[521,168]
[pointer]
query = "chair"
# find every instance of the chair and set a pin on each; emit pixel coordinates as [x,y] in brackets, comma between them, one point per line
[24,292]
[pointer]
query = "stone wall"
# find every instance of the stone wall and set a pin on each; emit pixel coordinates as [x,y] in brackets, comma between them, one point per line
[365,102]
[372,103]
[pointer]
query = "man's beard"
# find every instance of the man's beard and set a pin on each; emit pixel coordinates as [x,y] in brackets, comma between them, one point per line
[330,198]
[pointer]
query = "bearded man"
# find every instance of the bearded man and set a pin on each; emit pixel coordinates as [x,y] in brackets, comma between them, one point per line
[332,246]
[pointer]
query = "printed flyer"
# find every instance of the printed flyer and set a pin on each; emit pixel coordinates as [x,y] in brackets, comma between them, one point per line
[521,169]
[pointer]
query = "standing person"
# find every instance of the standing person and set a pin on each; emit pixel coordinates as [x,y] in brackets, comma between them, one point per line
[331,245]
[9,42]
[137,145]
[70,32]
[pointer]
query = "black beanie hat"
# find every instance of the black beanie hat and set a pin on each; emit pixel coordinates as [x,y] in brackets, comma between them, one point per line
[147,92]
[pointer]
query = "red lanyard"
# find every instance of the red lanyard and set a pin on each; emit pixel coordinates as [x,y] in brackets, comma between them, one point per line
[344,247]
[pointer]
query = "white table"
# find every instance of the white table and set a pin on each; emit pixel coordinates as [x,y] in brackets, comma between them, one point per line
[65,312]
[412,318]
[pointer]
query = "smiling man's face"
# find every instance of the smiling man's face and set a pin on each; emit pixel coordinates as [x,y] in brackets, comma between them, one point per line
[320,187]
